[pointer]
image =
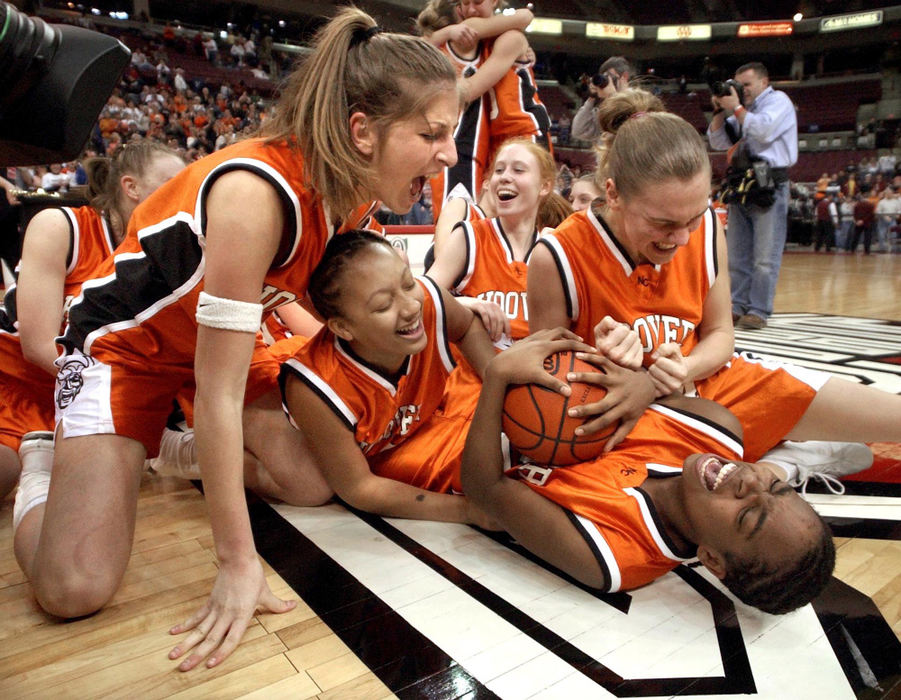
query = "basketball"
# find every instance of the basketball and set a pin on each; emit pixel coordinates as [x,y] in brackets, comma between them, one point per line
[536,422]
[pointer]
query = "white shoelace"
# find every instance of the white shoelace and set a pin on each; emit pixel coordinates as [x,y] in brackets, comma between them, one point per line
[834,485]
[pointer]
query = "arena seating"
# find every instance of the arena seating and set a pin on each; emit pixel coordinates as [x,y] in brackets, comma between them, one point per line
[690,106]
[832,106]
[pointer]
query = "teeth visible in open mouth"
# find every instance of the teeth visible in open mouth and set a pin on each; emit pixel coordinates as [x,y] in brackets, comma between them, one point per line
[725,470]
[411,329]
[505,195]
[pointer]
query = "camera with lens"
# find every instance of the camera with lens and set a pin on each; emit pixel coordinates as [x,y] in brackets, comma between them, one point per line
[720,88]
[56,79]
[602,80]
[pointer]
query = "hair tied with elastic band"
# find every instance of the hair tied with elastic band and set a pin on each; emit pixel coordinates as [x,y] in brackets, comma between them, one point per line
[361,36]
[637,115]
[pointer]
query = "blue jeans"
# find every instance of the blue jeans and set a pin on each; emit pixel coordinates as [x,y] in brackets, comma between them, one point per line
[755,240]
[882,231]
[843,232]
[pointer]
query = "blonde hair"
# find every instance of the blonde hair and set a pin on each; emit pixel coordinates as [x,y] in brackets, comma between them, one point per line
[354,67]
[643,144]
[103,190]
[437,14]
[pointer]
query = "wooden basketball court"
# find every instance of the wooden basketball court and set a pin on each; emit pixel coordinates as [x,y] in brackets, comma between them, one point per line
[397,608]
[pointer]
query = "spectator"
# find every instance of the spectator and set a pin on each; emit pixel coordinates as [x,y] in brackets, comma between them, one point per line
[211,50]
[864,218]
[887,211]
[846,215]
[766,124]
[238,52]
[827,220]
[179,83]
[614,73]
[55,180]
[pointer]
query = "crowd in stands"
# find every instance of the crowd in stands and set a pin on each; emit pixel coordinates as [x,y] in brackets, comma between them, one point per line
[198,111]
[859,203]
[159,100]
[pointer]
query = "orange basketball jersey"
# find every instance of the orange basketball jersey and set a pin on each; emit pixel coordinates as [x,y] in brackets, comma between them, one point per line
[471,137]
[662,303]
[144,301]
[383,412]
[90,243]
[665,303]
[605,501]
[515,108]
[492,273]
[26,391]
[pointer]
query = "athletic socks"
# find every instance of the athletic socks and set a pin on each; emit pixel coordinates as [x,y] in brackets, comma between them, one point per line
[178,455]
[36,455]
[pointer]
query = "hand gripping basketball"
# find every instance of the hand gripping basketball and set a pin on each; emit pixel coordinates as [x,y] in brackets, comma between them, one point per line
[536,419]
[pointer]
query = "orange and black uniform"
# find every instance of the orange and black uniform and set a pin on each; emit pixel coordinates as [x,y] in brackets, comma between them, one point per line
[515,107]
[137,318]
[492,273]
[26,391]
[471,138]
[396,420]
[604,500]
[665,303]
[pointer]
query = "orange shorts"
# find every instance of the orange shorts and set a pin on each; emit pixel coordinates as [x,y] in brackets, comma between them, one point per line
[767,396]
[25,406]
[135,401]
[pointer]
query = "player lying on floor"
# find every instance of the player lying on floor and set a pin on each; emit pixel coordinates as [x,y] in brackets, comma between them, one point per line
[368,392]
[674,489]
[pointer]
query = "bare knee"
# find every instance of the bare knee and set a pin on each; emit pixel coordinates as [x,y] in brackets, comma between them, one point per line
[74,593]
[310,495]
[9,470]
[303,486]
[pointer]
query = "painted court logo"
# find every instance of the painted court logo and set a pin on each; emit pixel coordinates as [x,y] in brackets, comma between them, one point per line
[69,380]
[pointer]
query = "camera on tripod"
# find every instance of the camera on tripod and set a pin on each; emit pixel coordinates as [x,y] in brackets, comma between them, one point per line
[720,88]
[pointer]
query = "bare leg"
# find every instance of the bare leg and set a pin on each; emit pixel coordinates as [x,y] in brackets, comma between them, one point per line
[75,547]
[9,470]
[288,471]
[847,411]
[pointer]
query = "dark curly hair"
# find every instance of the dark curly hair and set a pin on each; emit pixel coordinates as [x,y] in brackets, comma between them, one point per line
[326,281]
[779,590]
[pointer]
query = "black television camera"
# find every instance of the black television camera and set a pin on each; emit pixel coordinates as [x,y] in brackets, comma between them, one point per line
[55,80]
[720,88]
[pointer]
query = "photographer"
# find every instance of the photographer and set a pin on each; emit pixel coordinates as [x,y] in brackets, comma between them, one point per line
[612,76]
[759,125]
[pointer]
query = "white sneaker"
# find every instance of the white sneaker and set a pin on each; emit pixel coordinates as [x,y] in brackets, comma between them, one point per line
[177,455]
[823,460]
[36,455]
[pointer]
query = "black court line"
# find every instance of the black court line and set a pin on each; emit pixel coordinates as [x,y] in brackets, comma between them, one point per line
[404,659]
[864,528]
[867,649]
[738,678]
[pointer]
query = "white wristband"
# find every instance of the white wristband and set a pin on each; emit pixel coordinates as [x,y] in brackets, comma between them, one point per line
[228,314]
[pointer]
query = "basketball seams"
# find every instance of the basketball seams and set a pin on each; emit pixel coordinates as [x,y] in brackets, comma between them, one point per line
[536,422]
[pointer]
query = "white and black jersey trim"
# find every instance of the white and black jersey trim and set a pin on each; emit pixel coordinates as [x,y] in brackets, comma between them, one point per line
[169,265]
